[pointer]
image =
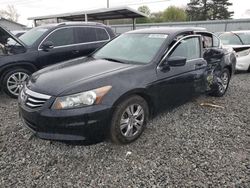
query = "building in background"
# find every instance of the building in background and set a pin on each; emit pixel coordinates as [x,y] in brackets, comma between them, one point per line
[11,25]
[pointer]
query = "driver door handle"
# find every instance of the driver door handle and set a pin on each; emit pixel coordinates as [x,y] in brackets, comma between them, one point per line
[75,51]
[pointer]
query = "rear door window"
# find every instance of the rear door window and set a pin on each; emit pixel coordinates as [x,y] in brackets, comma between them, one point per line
[61,37]
[89,34]
[85,34]
[216,41]
[101,34]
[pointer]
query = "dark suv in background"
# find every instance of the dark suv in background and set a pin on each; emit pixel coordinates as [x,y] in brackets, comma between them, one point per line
[43,46]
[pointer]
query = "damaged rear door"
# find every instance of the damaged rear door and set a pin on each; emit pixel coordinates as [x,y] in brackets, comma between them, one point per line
[214,55]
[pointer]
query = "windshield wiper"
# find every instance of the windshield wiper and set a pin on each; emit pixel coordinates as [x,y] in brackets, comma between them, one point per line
[115,60]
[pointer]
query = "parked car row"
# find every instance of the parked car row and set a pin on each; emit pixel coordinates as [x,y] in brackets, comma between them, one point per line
[114,91]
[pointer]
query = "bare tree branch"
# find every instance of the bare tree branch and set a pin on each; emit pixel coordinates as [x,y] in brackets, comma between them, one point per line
[10,13]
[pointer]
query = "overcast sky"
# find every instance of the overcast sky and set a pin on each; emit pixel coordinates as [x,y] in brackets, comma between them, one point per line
[31,8]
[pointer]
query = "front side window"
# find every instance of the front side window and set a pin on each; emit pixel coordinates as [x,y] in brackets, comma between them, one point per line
[188,48]
[61,37]
[133,48]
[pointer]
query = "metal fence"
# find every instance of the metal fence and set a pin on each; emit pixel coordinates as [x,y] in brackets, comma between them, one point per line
[213,26]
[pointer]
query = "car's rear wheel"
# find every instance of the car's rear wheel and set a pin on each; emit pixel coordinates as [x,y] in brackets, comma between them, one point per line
[129,120]
[14,80]
[223,83]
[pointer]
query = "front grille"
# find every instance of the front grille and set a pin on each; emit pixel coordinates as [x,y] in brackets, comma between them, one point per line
[33,99]
[33,102]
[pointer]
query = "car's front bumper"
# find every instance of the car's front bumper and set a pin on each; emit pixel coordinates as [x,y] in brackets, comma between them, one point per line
[76,124]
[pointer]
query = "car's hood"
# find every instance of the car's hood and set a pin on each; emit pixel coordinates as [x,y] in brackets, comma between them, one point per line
[4,32]
[56,79]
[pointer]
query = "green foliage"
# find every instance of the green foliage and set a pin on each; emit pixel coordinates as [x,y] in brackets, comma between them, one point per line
[209,10]
[144,9]
[170,14]
[156,17]
[219,10]
[174,14]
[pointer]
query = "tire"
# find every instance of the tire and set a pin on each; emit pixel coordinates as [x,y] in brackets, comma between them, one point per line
[13,80]
[133,125]
[221,88]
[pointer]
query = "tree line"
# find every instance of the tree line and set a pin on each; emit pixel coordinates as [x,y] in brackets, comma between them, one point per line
[196,10]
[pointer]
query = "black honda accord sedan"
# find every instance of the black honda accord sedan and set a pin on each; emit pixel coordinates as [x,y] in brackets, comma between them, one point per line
[115,91]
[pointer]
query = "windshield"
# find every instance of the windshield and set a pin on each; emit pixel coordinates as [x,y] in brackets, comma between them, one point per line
[30,37]
[235,38]
[132,48]
[245,37]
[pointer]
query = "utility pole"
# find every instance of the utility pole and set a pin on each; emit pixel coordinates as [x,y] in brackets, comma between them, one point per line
[107,7]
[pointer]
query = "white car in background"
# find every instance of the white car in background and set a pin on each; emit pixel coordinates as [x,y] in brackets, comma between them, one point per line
[240,42]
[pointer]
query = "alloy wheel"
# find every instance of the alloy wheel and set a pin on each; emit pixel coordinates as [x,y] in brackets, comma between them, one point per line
[132,120]
[15,82]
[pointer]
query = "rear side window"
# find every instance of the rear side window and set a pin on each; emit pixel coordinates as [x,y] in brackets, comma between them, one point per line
[216,41]
[85,34]
[88,34]
[101,34]
[188,48]
[61,37]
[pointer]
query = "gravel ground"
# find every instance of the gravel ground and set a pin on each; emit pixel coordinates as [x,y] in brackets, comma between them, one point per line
[191,146]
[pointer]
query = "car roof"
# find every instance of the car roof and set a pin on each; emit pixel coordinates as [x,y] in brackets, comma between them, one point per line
[53,25]
[168,30]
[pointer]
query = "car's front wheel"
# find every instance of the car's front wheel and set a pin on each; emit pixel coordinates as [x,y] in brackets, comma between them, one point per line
[129,120]
[13,81]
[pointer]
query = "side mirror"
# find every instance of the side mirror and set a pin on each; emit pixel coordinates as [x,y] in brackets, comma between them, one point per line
[47,45]
[176,61]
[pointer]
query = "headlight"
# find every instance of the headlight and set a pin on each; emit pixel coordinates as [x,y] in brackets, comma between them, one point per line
[243,53]
[81,99]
